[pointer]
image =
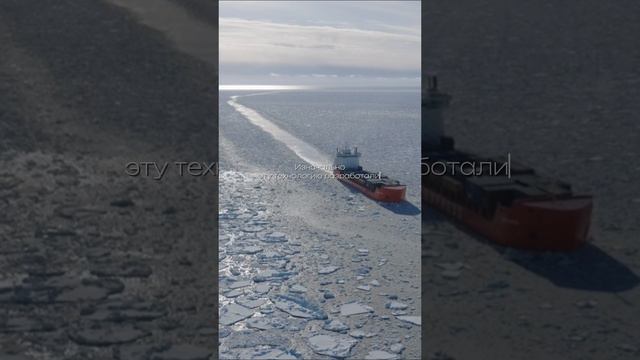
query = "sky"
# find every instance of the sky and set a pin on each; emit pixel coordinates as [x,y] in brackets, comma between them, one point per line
[320,43]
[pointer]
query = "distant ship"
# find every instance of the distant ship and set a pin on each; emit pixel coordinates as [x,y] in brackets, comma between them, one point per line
[513,205]
[346,168]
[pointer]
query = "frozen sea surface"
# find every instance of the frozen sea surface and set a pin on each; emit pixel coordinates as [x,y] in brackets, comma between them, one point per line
[308,266]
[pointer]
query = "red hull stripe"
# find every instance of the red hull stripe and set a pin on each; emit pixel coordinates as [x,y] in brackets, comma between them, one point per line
[538,225]
[383,193]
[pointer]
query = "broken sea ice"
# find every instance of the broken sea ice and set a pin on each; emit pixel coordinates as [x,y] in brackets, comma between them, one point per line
[415,320]
[299,307]
[332,345]
[251,302]
[396,305]
[232,313]
[354,309]
[275,237]
[328,270]
[336,326]
[380,355]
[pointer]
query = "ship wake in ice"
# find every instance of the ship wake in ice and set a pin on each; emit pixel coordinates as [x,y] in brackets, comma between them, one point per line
[303,150]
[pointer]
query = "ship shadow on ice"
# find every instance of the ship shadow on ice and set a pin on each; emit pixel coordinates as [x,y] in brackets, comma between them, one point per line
[402,208]
[430,216]
[588,268]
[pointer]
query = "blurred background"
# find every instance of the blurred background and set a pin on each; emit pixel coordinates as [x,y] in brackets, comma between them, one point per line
[556,85]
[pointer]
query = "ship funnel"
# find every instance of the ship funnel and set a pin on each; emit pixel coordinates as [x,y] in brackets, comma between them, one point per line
[433,103]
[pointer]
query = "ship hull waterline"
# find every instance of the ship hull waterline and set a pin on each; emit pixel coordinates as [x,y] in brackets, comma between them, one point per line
[533,224]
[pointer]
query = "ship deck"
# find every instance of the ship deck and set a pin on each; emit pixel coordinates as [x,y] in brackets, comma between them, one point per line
[524,181]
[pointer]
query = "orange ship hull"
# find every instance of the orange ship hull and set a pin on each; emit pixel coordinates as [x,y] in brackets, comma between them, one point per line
[382,193]
[536,224]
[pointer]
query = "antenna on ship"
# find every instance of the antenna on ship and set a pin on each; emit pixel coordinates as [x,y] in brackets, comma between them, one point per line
[433,103]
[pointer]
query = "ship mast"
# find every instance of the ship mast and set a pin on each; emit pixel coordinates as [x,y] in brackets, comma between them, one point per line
[433,104]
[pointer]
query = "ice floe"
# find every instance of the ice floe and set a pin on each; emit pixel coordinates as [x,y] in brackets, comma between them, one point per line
[267,323]
[332,345]
[328,270]
[262,288]
[299,307]
[249,250]
[297,289]
[380,355]
[234,293]
[329,295]
[354,309]
[239,284]
[251,303]
[270,274]
[232,313]
[395,305]
[263,353]
[415,320]
[397,348]
[336,326]
[274,237]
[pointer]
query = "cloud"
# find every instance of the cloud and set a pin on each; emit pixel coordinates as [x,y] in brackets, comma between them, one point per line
[264,44]
[354,14]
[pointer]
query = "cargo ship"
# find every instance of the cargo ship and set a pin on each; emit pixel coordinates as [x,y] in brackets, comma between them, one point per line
[347,169]
[506,202]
